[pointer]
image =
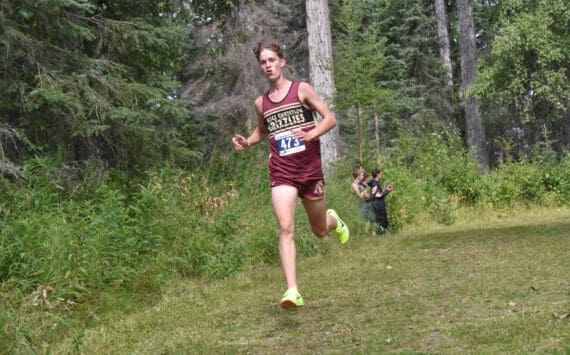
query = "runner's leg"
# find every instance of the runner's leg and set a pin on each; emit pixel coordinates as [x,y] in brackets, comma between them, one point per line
[284,199]
[320,221]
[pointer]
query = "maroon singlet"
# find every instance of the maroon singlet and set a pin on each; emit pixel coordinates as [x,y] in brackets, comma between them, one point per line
[291,159]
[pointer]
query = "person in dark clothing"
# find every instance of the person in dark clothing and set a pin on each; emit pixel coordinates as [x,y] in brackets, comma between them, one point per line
[378,201]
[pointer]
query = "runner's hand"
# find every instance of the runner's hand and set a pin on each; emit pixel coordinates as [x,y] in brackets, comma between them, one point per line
[302,135]
[240,143]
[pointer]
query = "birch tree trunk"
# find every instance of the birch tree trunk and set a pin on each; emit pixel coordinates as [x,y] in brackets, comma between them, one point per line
[473,123]
[321,70]
[445,50]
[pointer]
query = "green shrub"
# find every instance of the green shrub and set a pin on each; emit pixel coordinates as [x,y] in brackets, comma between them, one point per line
[406,203]
[434,177]
[557,180]
[528,182]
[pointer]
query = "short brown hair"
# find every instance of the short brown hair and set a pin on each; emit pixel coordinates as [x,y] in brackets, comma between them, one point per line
[356,172]
[270,44]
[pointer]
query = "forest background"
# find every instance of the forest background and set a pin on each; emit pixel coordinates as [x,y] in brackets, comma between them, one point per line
[116,170]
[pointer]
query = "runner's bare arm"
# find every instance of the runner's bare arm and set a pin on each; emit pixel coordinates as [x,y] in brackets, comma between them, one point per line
[311,99]
[259,133]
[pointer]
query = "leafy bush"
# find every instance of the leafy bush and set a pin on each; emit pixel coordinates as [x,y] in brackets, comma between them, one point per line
[435,177]
[407,200]
[538,182]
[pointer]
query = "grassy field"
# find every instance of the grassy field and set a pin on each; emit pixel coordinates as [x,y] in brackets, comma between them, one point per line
[493,286]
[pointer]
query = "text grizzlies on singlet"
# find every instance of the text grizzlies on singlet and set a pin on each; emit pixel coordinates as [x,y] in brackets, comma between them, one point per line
[285,119]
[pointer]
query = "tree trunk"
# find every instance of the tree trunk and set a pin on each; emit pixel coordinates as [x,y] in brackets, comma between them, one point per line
[445,51]
[359,126]
[321,66]
[377,131]
[473,122]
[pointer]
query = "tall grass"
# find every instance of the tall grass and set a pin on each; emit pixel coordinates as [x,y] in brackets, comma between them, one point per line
[66,246]
[61,253]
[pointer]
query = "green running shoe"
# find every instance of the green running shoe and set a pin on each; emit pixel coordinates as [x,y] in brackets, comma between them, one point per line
[342,232]
[291,299]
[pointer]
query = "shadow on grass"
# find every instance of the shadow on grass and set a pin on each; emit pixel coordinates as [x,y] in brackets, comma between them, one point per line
[557,230]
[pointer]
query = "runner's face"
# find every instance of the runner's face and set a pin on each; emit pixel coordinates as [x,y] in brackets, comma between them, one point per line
[270,64]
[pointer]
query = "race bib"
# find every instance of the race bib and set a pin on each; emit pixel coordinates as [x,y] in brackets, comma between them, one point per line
[287,144]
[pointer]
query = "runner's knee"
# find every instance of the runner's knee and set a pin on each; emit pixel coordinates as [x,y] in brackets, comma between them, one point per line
[286,232]
[320,232]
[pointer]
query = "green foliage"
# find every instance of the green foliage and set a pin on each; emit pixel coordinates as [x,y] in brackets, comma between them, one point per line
[440,160]
[414,71]
[526,71]
[359,60]
[359,57]
[89,81]
[213,9]
[434,178]
[407,202]
[387,72]
[76,248]
[530,183]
